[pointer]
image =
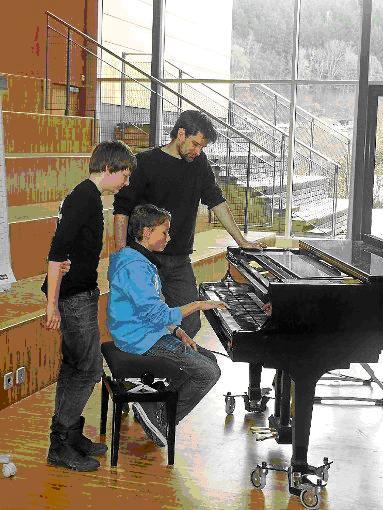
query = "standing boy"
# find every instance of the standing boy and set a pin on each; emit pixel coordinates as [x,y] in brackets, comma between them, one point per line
[72,302]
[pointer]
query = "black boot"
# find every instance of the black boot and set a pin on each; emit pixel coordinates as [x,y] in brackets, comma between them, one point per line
[62,453]
[82,443]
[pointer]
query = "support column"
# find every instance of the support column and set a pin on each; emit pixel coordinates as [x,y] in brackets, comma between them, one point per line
[157,71]
[293,106]
[356,205]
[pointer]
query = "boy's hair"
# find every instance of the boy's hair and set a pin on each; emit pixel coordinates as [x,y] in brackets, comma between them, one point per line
[115,155]
[146,215]
[193,122]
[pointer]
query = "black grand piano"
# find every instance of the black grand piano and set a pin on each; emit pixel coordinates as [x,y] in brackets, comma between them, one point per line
[326,312]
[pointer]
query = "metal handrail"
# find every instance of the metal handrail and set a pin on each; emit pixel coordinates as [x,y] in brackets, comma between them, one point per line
[304,112]
[243,136]
[161,83]
[259,117]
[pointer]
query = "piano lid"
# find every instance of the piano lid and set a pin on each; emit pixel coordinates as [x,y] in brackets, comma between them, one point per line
[358,258]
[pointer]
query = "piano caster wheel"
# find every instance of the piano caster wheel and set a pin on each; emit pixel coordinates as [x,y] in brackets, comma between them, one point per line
[258,477]
[229,403]
[310,497]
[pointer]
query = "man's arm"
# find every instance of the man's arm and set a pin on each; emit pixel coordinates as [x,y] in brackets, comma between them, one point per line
[120,228]
[54,281]
[224,215]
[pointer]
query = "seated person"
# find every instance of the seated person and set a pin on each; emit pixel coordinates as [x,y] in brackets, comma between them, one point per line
[140,321]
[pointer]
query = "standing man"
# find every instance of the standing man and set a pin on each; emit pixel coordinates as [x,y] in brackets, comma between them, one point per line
[176,177]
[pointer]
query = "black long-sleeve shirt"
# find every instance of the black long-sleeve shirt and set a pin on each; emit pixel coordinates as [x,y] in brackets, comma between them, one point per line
[175,185]
[78,237]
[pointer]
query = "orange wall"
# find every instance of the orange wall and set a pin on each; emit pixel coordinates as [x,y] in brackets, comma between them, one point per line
[23,34]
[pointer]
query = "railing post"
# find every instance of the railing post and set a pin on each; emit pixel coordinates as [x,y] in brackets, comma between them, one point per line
[67,103]
[228,144]
[334,201]
[281,173]
[246,216]
[348,160]
[179,99]
[123,93]
[46,64]
[311,144]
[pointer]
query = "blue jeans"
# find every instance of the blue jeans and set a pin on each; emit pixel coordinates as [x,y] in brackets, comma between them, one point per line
[201,369]
[82,362]
[179,287]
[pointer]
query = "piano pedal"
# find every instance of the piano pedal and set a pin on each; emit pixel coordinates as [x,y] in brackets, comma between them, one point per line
[262,433]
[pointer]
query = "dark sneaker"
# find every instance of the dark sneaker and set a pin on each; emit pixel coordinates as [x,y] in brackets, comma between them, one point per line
[151,418]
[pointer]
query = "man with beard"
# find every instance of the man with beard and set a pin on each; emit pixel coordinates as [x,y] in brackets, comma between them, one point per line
[176,177]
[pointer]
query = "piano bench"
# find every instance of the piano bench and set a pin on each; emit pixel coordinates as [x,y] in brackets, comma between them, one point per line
[124,365]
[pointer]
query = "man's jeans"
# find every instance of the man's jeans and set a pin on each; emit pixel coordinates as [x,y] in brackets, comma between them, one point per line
[200,369]
[82,362]
[179,287]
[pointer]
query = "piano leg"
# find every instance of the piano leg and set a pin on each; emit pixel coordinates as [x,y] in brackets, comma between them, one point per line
[256,397]
[280,421]
[301,424]
[254,391]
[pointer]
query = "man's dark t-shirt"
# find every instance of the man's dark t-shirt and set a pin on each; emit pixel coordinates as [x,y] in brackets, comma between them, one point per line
[175,185]
[78,237]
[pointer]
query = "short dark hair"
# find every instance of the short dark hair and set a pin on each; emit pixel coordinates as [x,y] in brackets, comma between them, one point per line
[146,215]
[193,122]
[115,155]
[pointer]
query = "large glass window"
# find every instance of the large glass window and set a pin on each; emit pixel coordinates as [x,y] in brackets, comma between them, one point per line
[377,211]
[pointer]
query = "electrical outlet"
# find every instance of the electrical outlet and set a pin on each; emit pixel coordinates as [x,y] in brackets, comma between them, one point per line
[20,375]
[8,380]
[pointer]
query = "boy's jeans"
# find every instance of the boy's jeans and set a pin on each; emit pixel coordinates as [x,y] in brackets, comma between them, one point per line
[201,369]
[82,362]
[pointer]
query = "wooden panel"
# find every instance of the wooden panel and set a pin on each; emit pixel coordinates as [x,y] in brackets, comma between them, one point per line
[46,133]
[30,242]
[49,179]
[25,94]
[31,346]
[31,238]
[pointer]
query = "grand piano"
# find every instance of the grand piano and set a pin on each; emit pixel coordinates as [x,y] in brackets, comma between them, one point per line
[326,301]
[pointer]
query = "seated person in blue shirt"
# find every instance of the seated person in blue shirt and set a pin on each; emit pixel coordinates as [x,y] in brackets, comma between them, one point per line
[140,321]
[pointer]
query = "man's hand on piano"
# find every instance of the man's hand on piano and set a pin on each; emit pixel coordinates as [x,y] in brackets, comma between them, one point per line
[209,304]
[257,245]
[185,338]
[267,308]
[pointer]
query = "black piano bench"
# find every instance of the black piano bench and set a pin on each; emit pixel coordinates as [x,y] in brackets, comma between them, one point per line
[124,365]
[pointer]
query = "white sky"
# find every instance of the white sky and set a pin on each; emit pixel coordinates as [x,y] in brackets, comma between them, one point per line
[197,34]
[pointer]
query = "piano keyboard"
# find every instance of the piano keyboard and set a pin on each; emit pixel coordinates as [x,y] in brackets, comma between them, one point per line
[245,308]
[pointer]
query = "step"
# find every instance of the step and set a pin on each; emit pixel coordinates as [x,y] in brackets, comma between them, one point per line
[320,219]
[34,179]
[28,223]
[25,342]
[46,133]
[31,228]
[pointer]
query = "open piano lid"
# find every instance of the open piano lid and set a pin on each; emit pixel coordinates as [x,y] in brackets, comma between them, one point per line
[361,259]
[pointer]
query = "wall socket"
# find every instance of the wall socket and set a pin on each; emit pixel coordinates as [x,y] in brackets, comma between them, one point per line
[20,375]
[8,380]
